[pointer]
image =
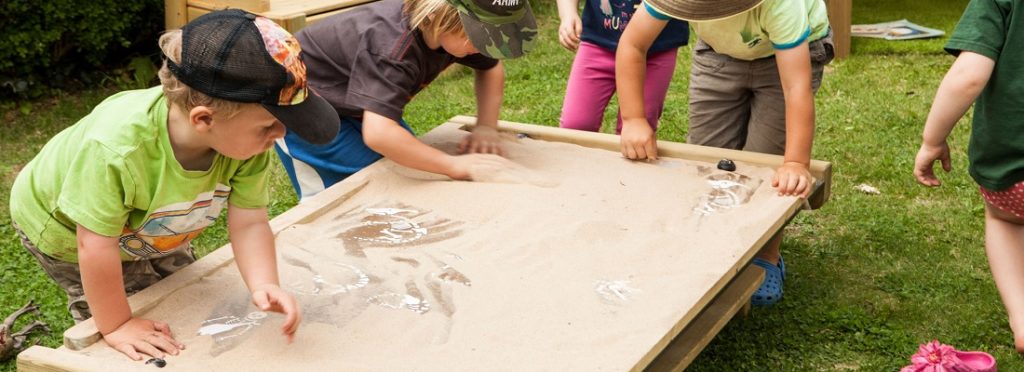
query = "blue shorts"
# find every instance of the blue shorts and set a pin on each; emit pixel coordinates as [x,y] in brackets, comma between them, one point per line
[313,168]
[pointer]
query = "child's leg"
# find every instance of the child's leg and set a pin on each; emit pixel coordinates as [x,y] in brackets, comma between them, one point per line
[719,99]
[1004,244]
[590,87]
[65,274]
[767,127]
[137,274]
[660,67]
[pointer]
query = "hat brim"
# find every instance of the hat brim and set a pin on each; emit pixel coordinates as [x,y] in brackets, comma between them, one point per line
[702,10]
[501,41]
[314,120]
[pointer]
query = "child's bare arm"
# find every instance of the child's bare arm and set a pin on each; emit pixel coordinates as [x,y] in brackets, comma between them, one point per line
[794,176]
[571,26]
[253,245]
[386,137]
[958,90]
[638,139]
[490,90]
[99,261]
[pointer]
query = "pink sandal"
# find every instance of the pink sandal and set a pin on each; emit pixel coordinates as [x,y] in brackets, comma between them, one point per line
[937,357]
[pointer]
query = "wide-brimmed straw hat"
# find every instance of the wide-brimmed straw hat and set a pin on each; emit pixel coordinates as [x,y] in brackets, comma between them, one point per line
[702,10]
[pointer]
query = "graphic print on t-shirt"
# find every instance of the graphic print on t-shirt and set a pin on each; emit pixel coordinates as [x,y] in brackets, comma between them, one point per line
[617,13]
[172,226]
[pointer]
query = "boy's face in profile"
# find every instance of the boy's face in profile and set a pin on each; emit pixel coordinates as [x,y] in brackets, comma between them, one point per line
[457,45]
[249,133]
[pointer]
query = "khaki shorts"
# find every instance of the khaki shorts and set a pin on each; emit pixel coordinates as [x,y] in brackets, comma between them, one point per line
[739,104]
[137,274]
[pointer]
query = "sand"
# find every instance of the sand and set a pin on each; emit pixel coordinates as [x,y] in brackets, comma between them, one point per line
[576,260]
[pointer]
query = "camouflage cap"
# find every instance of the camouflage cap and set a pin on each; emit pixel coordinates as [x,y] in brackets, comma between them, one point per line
[498,28]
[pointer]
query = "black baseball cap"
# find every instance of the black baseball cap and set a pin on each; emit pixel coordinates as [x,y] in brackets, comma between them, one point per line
[238,56]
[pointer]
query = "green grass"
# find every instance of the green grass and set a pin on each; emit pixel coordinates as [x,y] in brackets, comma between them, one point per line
[870,276]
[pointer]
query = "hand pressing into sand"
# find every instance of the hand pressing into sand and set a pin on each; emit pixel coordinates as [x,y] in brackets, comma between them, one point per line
[482,140]
[495,169]
[638,141]
[143,336]
[270,297]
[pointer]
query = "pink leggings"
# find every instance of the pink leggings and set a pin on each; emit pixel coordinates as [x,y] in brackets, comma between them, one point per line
[592,83]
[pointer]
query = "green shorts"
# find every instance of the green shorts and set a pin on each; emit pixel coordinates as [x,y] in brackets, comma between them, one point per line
[137,274]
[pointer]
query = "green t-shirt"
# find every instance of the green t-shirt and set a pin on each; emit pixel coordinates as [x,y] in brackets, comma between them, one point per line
[758,32]
[114,172]
[996,151]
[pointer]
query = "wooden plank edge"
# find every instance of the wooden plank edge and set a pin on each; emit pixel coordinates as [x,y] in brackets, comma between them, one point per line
[821,170]
[699,333]
[41,358]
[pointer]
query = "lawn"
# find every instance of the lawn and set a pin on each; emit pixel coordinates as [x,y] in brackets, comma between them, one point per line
[870,276]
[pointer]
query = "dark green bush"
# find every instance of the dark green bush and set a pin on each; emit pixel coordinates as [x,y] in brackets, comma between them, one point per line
[55,43]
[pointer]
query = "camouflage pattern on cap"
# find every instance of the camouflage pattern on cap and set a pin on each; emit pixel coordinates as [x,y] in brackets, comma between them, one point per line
[499,29]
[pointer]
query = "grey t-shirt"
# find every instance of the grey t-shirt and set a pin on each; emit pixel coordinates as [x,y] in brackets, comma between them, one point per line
[368,59]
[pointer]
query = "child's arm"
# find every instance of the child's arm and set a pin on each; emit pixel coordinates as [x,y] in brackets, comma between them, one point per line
[794,176]
[253,245]
[571,27]
[388,138]
[958,90]
[638,139]
[99,261]
[490,90]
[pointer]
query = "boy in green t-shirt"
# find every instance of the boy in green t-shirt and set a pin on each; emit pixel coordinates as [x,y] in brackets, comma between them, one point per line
[109,205]
[987,73]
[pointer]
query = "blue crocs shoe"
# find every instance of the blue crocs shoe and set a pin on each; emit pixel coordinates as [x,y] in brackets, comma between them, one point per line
[770,291]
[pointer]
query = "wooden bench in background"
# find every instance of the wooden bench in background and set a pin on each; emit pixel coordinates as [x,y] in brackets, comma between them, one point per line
[293,15]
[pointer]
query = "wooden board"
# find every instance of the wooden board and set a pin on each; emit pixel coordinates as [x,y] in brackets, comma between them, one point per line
[293,15]
[602,290]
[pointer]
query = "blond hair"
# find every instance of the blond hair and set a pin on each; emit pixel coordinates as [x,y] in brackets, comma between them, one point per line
[433,17]
[181,95]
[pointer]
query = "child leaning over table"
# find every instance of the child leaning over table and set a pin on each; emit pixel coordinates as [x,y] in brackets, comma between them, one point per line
[987,73]
[371,61]
[109,205]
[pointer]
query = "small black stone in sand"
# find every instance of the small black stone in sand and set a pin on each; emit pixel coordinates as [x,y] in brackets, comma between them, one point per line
[726,165]
[157,362]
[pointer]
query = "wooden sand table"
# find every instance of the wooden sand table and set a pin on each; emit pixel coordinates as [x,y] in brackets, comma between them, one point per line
[581,260]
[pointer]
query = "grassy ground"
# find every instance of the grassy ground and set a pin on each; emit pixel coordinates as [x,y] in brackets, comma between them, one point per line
[870,276]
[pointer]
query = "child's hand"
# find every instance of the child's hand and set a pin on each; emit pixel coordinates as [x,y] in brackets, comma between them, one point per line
[793,179]
[925,160]
[569,32]
[483,140]
[638,141]
[270,297]
[143,336]
[478,167]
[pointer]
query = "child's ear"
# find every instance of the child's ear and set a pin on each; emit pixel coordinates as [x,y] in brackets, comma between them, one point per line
[201,118]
